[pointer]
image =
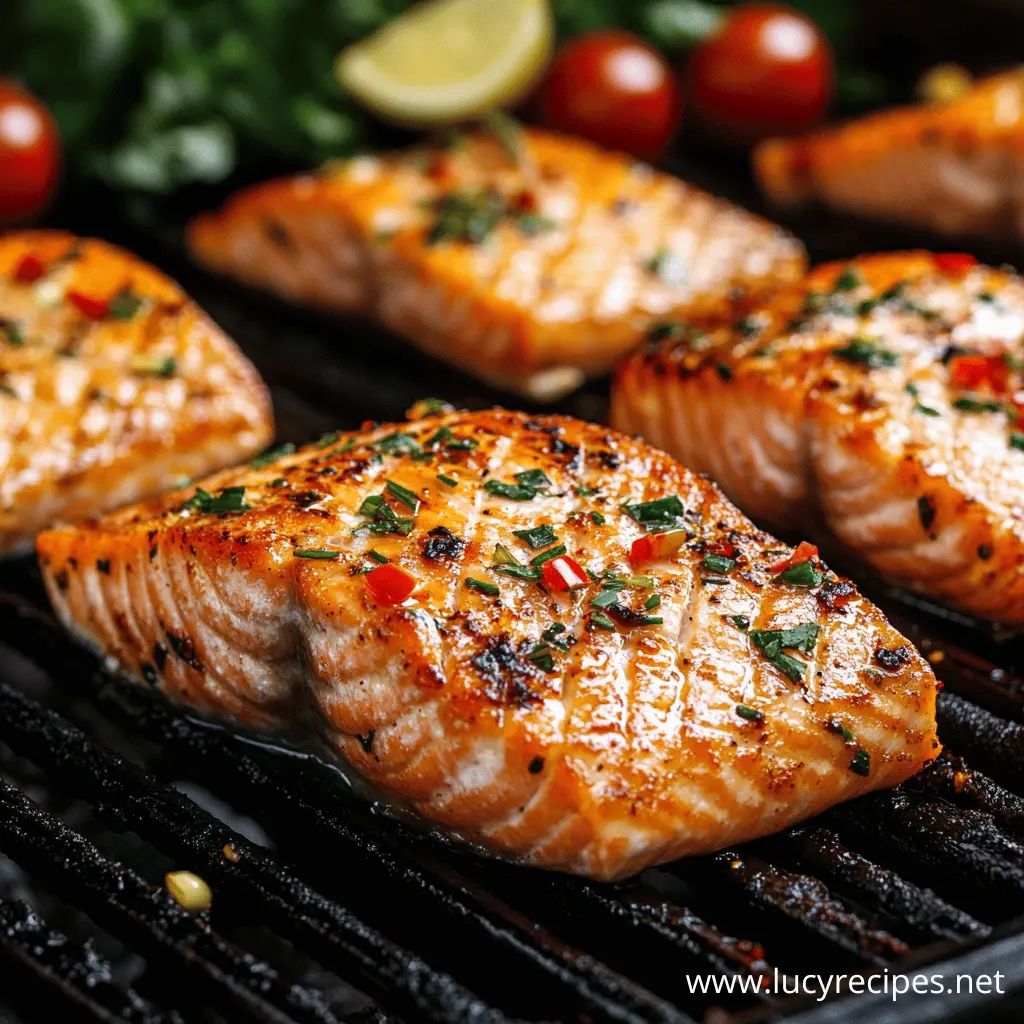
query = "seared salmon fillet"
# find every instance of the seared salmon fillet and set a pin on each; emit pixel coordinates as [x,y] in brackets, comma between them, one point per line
[884,394]
[955,168]
[113,385]
[532,273]
[538,635]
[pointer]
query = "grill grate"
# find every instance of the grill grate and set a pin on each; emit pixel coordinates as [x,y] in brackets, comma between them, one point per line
[327,911]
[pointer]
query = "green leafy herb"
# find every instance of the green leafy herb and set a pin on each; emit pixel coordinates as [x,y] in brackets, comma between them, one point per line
[467,217]
[326,440]
[546,556]
[230,499]
[382,518]
[124,305]
[649,620]
[323,554]
[377,557]
[597,518]
[969,403]
[398,444]
[586,492]
[741,622]
[603,621]
[926,410]
[658,516]
[796,638]
[12,333]
[154,367]
[537,536]
[482,585]
[450,481]
[533,478]
[669,266]
[654,601]
[868,353]
[502,556]
[605,599]
[531,573]
[272,455]
[542,657]
[840,730]
[514,492]
[848,280]
[861,763]
[1017,440]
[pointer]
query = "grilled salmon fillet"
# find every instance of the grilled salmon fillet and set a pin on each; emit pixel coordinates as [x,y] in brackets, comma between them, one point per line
[113,385]
[531,273]
[955,168]
[538,635]
[884,394]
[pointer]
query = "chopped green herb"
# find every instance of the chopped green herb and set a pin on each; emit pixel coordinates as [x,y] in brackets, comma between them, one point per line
[542,657]
[466,217]
[597,518]
[377,557]
[450,481]
[792,668]
[586,492]
[536,478]
[326,440]
[926,410]
[482,585]
[658,516]
[1017,440]
[602,621]
[531,224]
[668,330]
[605,599]
[640,582]
[320,553]
[271,455]
[383,518]
[462,444]
[403,494]
[796,638]
[519,572]
[149,366]
[649,620]
[719,563]
[669,266]
[537,536]
[741,622]
[861,763]
[968,403]
[432,406]
[230,499]
[912,389]
[848,280]
[546,556]
[654,601]
[12,333]
[837,727]
[124,305]
[514,492]
[801,575]
[868,353]
[502,556]
[986,297]
[749,713]
[398,444]
[6,389]
[748,326]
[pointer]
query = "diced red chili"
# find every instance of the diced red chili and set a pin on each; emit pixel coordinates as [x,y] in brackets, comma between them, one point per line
[973,371]
[95,309]
[390,584]
[954,262]
[563,573]
[525,202]
[30,268]
[804,553]
[724,548]
[658,545]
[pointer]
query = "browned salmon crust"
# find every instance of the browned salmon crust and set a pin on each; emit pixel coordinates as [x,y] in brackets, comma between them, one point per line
[531,274]
[884,393]
[113,385]
[955,168]
[641,715]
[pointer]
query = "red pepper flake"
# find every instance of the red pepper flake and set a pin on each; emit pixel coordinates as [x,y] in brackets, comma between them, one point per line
[389,584]
[30,268]
[973,371]
[93,308]
[525,202]
[563,573]
[724,548]
[954,262]
[440,167]
[658,545]
[804,553]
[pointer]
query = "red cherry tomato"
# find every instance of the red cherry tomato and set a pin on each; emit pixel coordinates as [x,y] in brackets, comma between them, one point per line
[767,70]
[29,154]
[29,269]
[390,585]
[971,372]
[614,89]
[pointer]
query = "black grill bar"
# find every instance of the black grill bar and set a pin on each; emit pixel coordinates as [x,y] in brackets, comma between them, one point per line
[149,919]
[171,822]
[991,744]
[44,971]
[916,912]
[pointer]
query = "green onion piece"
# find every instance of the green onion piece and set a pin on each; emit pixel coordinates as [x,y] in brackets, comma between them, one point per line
[848,280]
[586,492]
[801,575]
[654,601]
[538,536]
[649,620]
[719,563]
[403,494]
[546,556]
[482,585]
[321,553]
[868,353]
[603,621]
[926,410]
[514,492]
[605,599]
[449,480]
[377,556]
[749,713]
[12,333]
[398,444]
[969,404]
[230,499]
[519,572]
[640,582]
[741,622]
[502,556]
[326,440]
[658,516]
[535,478]
[124,305]
[597,518]
[861,763]
[1017,440]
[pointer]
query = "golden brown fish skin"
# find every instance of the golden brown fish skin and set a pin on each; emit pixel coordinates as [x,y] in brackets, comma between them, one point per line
[953,168]
[928,491]
[561,288]
[97,411]
[629,751]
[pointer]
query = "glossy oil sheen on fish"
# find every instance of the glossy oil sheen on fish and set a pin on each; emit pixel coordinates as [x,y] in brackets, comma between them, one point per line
[535,634]
[531,269]
[885,393]
[113,385]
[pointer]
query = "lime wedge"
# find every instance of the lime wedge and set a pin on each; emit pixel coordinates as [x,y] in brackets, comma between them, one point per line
[448,60]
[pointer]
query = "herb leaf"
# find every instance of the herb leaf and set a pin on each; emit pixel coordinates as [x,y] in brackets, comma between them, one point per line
[537,536]
[658,516]
[230,499]
[869,353]
[271,455]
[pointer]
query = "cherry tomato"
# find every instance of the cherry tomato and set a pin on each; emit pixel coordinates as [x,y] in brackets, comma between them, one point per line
[614,89]
[971,372]
[29,154]
[767,70]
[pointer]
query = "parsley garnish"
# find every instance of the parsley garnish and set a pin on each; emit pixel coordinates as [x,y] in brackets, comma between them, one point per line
[230,499]
[772,642]
[383,518]
[848,280]
[586,492]
[657,516]
[1017,440]
[597,518]
[514,492]
[124,305]
[801,575]
[272,455]
[466,217]
[719,563]
[404,495]
[377,556]
[398,444]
